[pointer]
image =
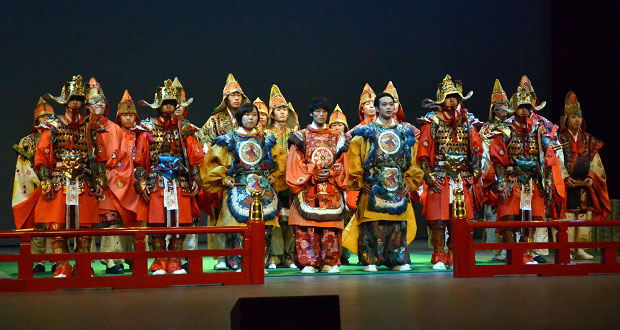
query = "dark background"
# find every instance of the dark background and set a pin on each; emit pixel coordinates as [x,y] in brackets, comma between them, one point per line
[328,49]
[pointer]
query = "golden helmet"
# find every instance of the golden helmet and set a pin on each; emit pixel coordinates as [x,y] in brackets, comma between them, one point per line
[448,87]
[262,107]
[163,93]
[183,102]
[42,108]
[75,87]
[525,82]
[232,86]
[571,107]
[338,117]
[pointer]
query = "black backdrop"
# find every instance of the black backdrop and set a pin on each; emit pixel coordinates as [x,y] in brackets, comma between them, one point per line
[328,49]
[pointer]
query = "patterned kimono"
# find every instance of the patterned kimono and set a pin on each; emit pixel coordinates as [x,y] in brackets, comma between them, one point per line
[317,210]
[249,159]
[383,156]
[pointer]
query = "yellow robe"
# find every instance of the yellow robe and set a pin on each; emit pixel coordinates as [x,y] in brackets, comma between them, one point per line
[359,151]
[213,172]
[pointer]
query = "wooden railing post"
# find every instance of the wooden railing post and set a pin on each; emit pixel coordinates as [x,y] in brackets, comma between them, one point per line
[257,251]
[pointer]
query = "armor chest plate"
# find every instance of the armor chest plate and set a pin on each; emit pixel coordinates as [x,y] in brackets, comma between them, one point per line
[389,149]
[67,140]
[164,141]
[449,142]
[321,147]
[250,153]
[523,144]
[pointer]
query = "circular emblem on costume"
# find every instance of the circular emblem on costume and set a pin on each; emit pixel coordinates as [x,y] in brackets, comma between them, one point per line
[501,152]
[46,151]
[389,142]
[250,152]
[253,183]
[121,184]
[322,157]
[389,178]
[425,143]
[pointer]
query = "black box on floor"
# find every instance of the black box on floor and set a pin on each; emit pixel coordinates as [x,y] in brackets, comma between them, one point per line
[296,312]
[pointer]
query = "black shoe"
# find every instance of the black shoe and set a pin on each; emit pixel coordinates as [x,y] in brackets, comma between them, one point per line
[38,268]
[116,269]
[185,266]
[540,260]
[54,268]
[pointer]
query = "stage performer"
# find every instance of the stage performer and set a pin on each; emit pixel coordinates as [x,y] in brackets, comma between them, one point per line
[366,109]
[383,166]
[499,111]
[522,159]
[586,183]
[449,153]
[221,123]
[127,119]
[26,190]
[240,163]
[167,161]
[338,121]
[263,113]
[317,174]
[119,203]
[282,123]
[70,162]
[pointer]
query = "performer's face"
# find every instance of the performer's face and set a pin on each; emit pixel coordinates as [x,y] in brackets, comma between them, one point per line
[319,115]
[574,122]
[43,118]
[234,100]
[97,108]
[178,111]
[386,108]
[523,111]
[337,126]
[280,114]
[369,109]
[262,120]
[396,104]
[451,102]
[500,112]
[168,107]
[128,120]
[75,104]
[249,120]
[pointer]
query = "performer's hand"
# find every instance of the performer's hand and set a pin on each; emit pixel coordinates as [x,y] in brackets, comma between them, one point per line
[570,182]
[271,179]
[323,175]
[195,189]
[406,189]
[145,195]
[366,189]
[434,187]
[230,183]
[588,181]
[98,190]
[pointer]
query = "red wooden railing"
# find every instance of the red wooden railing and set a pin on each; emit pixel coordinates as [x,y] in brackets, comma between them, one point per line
[252,267]
[465,250]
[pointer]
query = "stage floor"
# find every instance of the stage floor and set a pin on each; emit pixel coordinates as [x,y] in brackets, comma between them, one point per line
[421,299]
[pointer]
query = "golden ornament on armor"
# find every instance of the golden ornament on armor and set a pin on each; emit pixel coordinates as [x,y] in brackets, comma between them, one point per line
[71,164]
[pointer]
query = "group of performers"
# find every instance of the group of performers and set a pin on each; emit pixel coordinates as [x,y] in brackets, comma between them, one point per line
[325,189]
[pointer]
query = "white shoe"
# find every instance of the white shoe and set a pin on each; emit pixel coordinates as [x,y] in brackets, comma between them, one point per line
[583,255]
[238,270]
[60,276]
[159,272]
[293,266]
[532,263]
[334,269]
[179,271]
[308,270]
[439,266]
[402,268]
[220,266]
[266,272]
[325,268]
[272,266]
[370,268]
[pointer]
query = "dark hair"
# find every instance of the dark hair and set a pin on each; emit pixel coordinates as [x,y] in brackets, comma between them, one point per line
[246,108]
[319,102]
[529,107]
[379,96]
